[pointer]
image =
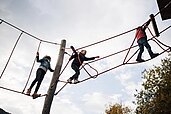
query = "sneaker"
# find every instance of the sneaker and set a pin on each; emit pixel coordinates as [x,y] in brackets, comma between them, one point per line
[76,81]
[28,92]
[69,80]
[154,55]
[140,60]
[35,95]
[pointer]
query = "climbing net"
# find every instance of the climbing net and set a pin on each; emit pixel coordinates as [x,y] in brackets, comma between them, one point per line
[126,59]
[21,35]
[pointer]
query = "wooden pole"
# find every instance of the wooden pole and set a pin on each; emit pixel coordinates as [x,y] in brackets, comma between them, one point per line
[154,25]
[54,81]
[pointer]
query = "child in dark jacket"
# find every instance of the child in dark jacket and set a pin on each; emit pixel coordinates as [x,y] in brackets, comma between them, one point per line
[79,58]
[41,71]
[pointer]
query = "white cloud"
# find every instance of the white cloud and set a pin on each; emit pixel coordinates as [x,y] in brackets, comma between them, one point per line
[64,105]
[96,101]
[128,80]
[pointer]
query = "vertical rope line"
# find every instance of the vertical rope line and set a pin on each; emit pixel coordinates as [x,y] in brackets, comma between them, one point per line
[66,64]
[64,67]
[92,76]
[11,54]
[94,70]
[158,44]
[132,56]
[162,32]
[61,89]
[129,50]
[161,43]
[115,66]
[87,71]
[110,69]
[155,40]
[1,21]
[31,68]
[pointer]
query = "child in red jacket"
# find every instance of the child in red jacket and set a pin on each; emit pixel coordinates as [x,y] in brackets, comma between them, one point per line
[142,41]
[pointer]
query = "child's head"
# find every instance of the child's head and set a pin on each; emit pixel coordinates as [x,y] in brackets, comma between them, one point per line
[47,57]
[83,52]
[139,27]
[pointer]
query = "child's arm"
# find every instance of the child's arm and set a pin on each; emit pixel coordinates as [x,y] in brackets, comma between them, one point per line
[51,69]
[73,49]
[75,53]
[90,58]
[37,57]
[146,24]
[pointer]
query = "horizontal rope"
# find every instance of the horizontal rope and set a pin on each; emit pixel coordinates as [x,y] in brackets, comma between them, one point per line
[122,63]
[123,32]
[28,33]
[128,48]
[81,48]
[106,39]
[15,91]
[31,70]
[11,90]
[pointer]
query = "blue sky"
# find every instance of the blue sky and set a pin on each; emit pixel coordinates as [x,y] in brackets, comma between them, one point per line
[79,22]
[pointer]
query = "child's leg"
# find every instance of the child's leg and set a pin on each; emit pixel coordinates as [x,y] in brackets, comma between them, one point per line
[33,83]
[141,47]
[35,80]
[40,76]
[77,72]
[146,44]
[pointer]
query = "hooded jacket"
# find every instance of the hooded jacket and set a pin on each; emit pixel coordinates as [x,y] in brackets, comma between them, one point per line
[44,64]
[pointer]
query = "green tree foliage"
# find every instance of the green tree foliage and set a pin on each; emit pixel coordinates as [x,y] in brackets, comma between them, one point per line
[155,98]
[117,109]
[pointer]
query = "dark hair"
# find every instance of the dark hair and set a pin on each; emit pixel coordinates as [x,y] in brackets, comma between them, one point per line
[48,57]
[139,27]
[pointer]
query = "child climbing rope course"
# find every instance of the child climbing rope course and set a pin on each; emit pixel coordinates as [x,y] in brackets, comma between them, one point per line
[79,58]
[142,41]
[41,71]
